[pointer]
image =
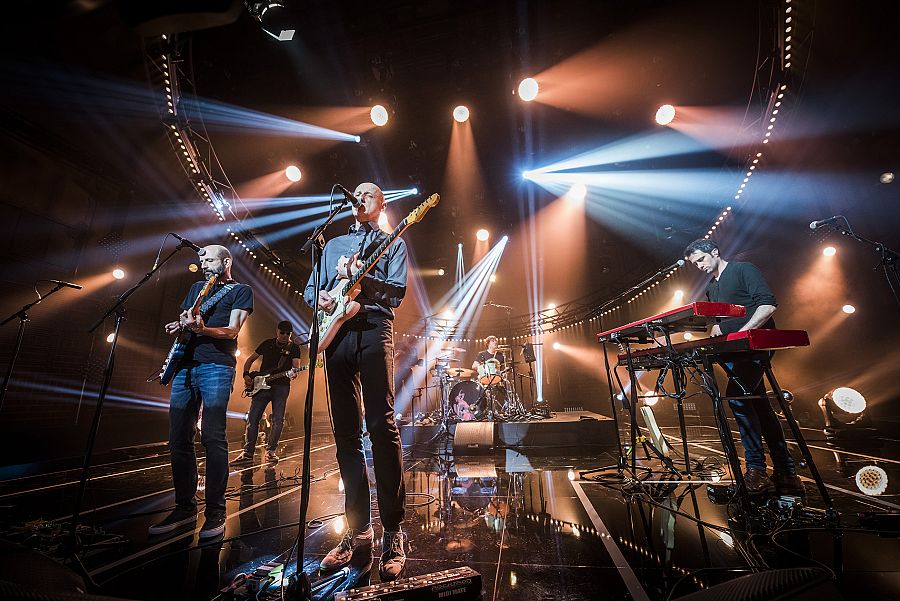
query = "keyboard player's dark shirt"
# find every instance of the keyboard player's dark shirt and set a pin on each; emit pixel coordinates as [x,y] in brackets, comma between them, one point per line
[741,284]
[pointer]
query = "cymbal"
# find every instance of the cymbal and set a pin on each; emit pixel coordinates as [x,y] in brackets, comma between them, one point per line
[505,347]
[453,349]
[446,359]
[461,372]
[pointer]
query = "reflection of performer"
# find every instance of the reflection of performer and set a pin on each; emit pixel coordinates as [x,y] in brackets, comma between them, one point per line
[205,376]
[279,355]
[362,356]
[742,284]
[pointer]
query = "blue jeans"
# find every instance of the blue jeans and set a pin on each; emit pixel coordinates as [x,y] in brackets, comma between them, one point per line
[208,384]
[277,395]
[756,419]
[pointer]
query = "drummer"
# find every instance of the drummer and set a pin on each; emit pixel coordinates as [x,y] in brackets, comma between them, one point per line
[491,354]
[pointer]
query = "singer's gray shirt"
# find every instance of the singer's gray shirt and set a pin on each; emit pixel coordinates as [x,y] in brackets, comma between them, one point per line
[383,287]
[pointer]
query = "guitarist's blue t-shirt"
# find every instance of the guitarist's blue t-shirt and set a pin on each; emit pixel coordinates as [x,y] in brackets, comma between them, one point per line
[205,349]
[277,359]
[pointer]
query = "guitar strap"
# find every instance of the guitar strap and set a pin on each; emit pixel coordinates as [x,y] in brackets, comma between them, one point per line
[209,304]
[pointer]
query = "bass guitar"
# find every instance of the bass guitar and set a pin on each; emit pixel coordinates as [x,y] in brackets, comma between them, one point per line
[176,353]
[261,382]
[344,306]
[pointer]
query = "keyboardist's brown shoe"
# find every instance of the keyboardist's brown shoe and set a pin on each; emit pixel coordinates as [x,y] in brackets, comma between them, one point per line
[757,481]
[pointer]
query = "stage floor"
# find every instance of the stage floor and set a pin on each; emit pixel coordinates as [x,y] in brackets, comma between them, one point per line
[530,525]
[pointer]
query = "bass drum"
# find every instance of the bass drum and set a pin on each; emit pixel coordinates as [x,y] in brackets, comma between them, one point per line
[467,401]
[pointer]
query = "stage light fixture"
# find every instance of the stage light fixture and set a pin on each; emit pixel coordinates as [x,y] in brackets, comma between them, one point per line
[887,177]
[441,271]
[293,173]
[551,306]
[678,296]
[844,410]
[872,480]
[848,309]
[665,114]
[482,235]
[111,337]
[556,346]
[528,89]
[118,273]
[274,18]
[193,268]
[829,251]
[379,115]
[461,114]
[237,352]
[493,277]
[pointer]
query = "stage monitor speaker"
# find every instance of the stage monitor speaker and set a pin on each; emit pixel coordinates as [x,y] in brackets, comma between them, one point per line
[793,584]
[473,438]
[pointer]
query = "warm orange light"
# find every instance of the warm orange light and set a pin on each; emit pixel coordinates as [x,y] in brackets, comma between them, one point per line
[482,235]
[118,273]
[848,309]
[829,251]
[293,173]
[461,114]
[665,114]
[379,115]
[528,89]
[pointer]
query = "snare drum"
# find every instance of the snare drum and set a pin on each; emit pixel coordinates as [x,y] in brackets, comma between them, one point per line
[467,400]
[489,372]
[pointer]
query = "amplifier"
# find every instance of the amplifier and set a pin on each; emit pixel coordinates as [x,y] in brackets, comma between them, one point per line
[456,584]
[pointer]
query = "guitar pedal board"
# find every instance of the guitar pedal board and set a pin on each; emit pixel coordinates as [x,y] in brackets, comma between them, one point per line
[456,584]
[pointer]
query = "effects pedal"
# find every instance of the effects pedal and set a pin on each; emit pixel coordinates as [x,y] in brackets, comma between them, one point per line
[456,584]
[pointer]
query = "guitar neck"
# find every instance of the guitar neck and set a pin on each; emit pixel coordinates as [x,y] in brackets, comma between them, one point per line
[373,259]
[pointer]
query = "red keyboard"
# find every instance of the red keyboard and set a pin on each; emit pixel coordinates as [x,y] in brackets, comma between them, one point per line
[738,342]
[695,317]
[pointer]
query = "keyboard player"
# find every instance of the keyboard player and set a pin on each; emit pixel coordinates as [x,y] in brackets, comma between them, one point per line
[742,283]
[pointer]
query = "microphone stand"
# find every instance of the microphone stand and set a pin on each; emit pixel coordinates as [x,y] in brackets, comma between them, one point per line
[118,308]
[22,314]
[632,404]
[888,261]
[314,245]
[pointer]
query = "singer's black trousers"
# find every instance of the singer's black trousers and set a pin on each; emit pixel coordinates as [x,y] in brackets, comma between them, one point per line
[360,371]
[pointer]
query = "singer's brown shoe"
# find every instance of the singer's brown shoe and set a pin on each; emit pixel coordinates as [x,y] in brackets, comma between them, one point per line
[757,481]
[353,542]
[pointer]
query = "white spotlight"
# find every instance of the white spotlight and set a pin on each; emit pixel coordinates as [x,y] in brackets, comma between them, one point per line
[118,273]
[872,480]
[578,192]
[441,271]
[528,89]
[551,306]
[482,235]
[111,337]
[379,115]
[829,251]
[887,177]
[293,173]
[493,277]
[848,309]
[679,295]
[665,114]
[237,352]
[461,114]
[556,346]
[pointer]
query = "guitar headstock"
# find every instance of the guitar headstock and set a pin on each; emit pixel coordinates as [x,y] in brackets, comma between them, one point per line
[416,214]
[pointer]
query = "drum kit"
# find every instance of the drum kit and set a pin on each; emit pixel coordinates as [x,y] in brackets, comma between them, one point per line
[467,395]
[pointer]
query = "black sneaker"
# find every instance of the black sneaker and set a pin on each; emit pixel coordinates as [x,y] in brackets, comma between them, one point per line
[214,525]
[180,517]
[393,556]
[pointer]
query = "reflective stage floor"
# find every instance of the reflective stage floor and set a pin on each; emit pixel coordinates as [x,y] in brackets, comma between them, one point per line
[533,526]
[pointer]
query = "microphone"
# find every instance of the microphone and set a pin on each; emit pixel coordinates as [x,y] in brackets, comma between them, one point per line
[189,244]
[817,224]
[354,201]
[66,284]
[677,263]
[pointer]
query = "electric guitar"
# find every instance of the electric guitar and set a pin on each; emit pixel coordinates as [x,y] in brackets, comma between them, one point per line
[344,306]
[176,353]
[261,382]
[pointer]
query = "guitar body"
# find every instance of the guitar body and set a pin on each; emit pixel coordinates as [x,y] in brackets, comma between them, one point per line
[344,309]
[261,382]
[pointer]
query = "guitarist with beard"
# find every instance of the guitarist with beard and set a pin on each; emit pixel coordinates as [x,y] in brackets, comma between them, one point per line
[204,376]
[359,365]
[279,355]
